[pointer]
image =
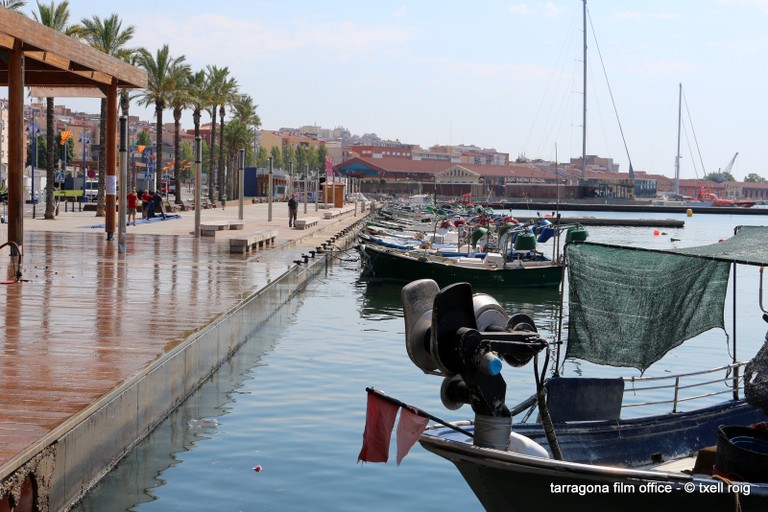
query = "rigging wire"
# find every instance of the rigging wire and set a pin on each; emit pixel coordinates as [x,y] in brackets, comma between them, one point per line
[690,121]
[610,92]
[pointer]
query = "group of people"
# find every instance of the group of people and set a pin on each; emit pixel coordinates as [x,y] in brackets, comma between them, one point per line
[152,205]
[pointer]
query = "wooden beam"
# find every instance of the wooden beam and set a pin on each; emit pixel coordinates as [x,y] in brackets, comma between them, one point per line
[96,76]
[49,58]
[6,41]
[37,37]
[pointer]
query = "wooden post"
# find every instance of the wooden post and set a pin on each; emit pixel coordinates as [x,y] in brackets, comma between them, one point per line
[16,145]
[111,163]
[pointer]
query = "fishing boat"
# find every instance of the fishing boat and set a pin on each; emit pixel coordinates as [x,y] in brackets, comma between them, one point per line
[513,261]
[628,307]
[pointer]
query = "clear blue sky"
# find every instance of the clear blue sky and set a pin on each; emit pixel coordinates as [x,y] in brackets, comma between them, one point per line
[501,74]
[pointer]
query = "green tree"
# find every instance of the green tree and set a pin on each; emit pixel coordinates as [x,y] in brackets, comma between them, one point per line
[754,178]
[108,36]
[262,157]
[160,85]
[198,89]
[322,153]
[178,101]
[719,177]
[277,159]
[55,17]
[215,77]
[13,5]
[143,138]
[226,94]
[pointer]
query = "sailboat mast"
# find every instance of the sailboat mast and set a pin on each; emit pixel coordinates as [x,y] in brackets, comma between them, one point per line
[679,121]
[584,100]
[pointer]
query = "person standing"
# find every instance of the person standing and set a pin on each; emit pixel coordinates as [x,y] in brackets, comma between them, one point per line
[146,205]
[159,206]
[293,210]
[133,200]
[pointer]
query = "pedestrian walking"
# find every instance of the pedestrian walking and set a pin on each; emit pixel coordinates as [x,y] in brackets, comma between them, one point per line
[293,210]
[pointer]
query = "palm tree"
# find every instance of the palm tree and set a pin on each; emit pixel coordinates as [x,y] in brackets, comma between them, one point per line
[55,17]
[244,112]
[160,85]
[227,95]
[13,5]
[223,92]
[199,97]
[179,98]
[107,36]
[216,77]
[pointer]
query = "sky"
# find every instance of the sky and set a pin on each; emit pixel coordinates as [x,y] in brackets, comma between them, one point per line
[496,74]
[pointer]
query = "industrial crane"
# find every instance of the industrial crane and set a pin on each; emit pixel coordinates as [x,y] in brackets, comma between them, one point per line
[728,167]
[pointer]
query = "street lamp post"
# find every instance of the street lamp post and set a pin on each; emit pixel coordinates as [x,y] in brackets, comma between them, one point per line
[33,130]
[241,186]
[85,141]
[306,177]
[269,192]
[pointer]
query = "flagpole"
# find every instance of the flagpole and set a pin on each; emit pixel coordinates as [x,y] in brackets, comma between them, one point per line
[418,411]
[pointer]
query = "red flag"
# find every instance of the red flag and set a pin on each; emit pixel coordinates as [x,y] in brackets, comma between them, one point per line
[409,428]
[379,422]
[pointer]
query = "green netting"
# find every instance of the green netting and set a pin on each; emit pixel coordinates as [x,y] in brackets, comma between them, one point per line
[629,307]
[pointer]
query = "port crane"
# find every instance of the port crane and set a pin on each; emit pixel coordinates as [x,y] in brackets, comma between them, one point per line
[727,168]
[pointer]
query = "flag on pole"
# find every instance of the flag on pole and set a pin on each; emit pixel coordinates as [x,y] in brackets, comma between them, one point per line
[409,429]
[329,166]
[379,422]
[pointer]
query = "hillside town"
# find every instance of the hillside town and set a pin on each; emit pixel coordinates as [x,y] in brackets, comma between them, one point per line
[382,166]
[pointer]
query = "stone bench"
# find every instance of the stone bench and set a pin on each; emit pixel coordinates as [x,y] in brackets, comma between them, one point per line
[331,214]
[210,228]
[257,239]
[305,223]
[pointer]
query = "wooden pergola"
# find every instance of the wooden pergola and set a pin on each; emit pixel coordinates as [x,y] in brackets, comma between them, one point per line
[32,55]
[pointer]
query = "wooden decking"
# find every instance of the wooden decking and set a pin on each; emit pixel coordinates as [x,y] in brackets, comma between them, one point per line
[87,318]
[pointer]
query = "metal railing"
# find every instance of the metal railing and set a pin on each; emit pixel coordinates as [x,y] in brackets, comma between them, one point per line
[676,386]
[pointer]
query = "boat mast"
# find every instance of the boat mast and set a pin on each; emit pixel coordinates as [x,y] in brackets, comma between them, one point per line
[584,101]
[677,157]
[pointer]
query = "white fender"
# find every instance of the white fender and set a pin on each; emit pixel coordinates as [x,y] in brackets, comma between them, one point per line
[518,443]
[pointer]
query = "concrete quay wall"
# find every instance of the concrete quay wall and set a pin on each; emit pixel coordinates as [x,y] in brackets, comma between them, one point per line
[115,424]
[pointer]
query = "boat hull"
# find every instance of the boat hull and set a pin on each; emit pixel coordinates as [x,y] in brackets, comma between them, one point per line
[640,441]
[395,266]
[602,455]
[510,482]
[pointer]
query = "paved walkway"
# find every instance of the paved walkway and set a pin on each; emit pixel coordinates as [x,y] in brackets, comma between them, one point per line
[86,317]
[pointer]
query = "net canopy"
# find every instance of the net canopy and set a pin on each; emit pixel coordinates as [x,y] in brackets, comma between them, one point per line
[629,307]
[749,246]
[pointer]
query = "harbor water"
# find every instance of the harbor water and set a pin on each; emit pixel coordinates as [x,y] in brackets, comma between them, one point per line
[279,426]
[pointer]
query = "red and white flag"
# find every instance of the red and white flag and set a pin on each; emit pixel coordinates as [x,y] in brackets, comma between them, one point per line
[379,423]
[409,429]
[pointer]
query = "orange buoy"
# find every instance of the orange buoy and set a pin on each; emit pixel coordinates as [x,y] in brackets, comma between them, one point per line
[689,212]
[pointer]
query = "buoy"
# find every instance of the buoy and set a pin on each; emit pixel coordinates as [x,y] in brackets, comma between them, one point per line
[689,212]
[655,232]
[257,468]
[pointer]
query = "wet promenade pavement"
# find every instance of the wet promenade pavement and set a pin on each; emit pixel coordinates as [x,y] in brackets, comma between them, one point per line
[86,318]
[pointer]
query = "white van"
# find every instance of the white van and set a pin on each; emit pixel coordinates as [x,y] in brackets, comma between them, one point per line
[91,189]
